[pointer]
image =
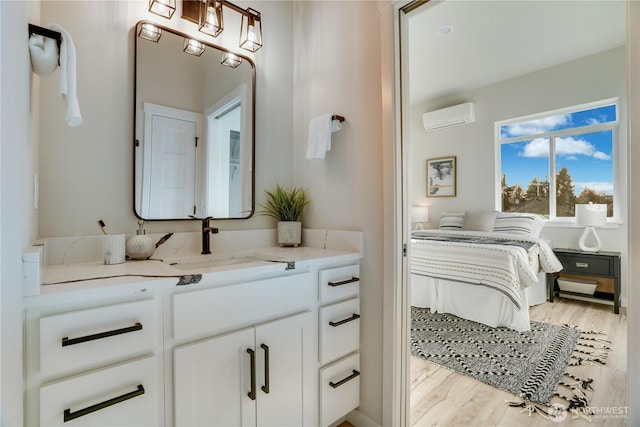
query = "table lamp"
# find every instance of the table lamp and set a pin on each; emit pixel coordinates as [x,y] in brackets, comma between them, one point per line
[419,214]
[590,216]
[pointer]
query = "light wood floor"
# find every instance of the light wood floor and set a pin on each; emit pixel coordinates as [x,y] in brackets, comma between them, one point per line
[440,397]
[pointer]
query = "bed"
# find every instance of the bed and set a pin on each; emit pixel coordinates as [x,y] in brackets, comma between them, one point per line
[489,272]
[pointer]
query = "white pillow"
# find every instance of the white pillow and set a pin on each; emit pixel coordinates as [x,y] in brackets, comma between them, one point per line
[526,224]
[451,221]
[479,220]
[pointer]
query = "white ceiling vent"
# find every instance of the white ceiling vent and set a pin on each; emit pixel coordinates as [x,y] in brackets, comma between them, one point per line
[461,114]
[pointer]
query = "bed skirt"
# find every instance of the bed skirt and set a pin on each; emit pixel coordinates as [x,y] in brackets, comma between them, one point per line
[474,302]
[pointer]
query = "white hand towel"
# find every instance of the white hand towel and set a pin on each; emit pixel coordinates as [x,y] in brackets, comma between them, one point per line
[44,55]
[68,77]
[320,129]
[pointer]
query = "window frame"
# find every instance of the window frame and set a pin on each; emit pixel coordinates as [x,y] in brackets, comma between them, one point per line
[613,126]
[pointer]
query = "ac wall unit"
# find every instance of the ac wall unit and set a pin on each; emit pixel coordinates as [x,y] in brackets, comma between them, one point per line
[461,114]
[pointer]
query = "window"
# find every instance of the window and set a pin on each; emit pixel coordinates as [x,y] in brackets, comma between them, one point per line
[551,161]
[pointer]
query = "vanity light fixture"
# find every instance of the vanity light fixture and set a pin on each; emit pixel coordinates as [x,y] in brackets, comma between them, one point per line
[164,8]
[230,59]
[251,31]
[193,47]
[150,32]
[207,14]
[210,17]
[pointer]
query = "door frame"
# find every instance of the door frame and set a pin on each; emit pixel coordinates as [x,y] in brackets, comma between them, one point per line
[396,360]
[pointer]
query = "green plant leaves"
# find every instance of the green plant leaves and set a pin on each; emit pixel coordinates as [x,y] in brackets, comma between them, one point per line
[285,205]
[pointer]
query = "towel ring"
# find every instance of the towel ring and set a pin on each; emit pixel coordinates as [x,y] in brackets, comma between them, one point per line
[41,31]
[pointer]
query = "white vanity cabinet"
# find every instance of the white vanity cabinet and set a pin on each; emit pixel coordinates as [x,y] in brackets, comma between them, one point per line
[253,377]
[339,341]
[261,372]
[275,344]
[94,366]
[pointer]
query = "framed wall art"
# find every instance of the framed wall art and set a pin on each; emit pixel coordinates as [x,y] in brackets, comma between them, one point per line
[441,177]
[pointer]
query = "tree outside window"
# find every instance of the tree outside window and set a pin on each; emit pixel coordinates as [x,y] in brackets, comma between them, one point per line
[571,153]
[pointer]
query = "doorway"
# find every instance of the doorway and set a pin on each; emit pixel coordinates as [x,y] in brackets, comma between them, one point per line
[413,184]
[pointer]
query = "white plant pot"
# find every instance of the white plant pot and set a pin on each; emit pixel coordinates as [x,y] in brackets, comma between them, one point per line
[289,233]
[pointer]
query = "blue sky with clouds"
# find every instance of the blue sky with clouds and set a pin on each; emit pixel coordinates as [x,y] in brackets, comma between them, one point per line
[587,156]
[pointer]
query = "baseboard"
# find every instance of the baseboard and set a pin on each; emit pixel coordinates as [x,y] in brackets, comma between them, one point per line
[358,419]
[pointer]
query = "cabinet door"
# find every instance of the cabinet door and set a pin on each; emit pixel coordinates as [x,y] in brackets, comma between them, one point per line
[212,379]
[286,381]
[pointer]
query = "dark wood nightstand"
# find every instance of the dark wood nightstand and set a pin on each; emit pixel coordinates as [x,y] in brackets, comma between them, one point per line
[603,267]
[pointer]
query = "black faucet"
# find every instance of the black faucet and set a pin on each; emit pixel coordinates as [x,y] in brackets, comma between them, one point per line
[206,229]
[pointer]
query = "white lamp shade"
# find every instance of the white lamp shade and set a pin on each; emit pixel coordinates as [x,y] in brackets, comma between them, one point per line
[420,214]
[591,215]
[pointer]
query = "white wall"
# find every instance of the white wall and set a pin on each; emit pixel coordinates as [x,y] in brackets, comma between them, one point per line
[338,70]
[17,216]
[86,173]
[593,78]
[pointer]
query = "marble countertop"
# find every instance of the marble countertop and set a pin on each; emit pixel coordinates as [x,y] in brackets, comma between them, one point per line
[166,269]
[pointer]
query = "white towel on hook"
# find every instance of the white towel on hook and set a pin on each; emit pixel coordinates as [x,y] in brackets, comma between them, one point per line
[44,54]
[68,77]
[320,130]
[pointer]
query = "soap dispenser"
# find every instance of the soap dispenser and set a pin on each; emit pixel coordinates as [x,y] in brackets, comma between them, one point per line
[140,246]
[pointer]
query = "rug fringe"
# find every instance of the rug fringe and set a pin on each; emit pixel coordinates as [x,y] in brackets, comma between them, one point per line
[580,389]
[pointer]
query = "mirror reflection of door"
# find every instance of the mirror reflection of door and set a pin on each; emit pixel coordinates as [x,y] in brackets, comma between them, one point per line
[224,177]
[168,77]
[169,162]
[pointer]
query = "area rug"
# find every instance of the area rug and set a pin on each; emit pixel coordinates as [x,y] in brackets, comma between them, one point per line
[533,365]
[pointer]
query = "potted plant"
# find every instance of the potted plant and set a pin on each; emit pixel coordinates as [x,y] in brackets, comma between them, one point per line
[286,206]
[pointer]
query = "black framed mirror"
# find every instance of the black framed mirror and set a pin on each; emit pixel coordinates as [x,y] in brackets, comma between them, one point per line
[194,128]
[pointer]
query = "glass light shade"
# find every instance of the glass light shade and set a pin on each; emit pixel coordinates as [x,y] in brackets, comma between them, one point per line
[230,59]
[150,32]
[210,17]
[164,8]
[251,30]
[193,47]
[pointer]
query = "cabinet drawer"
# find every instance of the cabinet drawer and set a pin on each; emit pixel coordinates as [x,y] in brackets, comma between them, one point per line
[210,311]
[124,395]
[339,389]
[339,329]
[83,339]
[339,283]
[586,264]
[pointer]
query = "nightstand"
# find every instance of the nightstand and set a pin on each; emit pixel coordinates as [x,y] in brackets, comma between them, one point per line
[603,267]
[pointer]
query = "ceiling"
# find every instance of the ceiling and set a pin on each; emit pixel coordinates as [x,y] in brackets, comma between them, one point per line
[493,41]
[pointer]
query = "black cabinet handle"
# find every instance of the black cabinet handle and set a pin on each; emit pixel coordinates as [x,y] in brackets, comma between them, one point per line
[345,380]
[344,282]
[71,341]
[68,415]
[342,322]
[252,393]
[265,387]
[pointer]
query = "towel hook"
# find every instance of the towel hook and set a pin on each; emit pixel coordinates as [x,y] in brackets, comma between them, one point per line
[337,117]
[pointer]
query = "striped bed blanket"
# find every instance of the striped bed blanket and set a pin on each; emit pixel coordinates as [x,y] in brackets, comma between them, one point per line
[507,263]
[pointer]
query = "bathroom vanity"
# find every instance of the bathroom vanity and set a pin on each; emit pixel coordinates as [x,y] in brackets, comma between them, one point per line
[265,336]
